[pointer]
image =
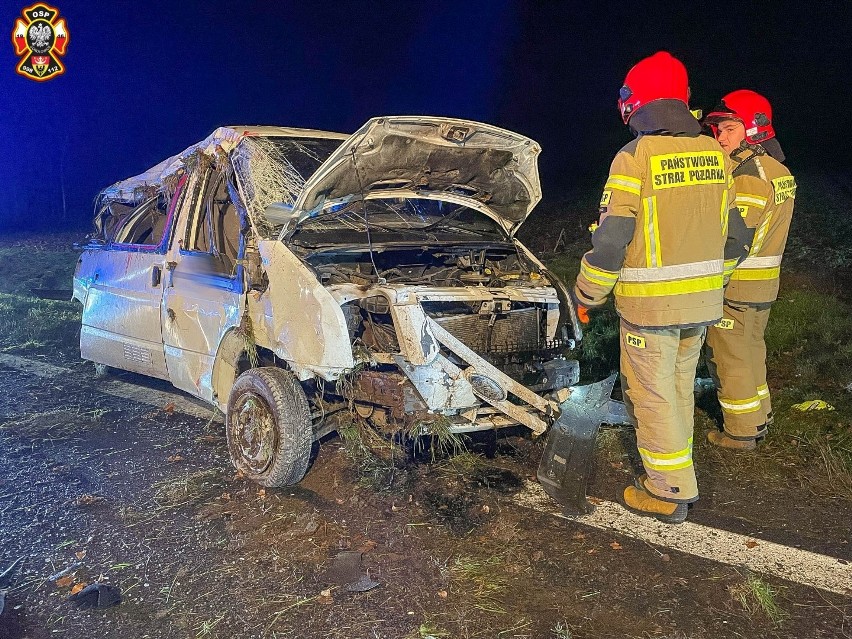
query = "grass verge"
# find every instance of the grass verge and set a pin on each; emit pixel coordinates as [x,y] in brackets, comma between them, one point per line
[28,323]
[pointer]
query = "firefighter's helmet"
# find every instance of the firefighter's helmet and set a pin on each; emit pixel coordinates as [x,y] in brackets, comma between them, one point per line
[750,108]
[658,77]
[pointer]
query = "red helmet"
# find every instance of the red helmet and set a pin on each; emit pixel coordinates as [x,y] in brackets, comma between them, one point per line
[659,77]
[750,108]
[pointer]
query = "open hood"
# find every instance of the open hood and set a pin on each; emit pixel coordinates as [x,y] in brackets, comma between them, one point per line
[466,159]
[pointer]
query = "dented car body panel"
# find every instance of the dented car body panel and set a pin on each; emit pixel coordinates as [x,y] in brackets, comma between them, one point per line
[472,161]
[381,269]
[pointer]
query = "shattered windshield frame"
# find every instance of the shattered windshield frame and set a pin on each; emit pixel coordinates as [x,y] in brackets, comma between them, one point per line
[273,170]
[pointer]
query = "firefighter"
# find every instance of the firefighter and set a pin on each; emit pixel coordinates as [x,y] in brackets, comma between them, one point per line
[666,230]
[736,350]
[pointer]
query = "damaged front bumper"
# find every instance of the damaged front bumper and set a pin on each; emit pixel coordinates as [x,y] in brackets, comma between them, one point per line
[569,450]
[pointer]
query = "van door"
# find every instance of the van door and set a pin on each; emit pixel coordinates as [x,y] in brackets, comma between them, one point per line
[122,281]
[203,295]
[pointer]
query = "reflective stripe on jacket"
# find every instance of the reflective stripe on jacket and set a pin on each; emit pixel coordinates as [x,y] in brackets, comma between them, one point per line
[668,233]
[765,196]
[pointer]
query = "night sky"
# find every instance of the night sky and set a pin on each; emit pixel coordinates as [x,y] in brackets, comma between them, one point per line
[146,79]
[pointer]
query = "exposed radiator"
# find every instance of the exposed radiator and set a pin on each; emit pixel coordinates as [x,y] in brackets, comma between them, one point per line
[514,332]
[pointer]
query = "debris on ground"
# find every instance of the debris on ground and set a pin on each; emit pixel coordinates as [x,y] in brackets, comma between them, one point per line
[6,579]
[55,576]
[345,571]
[813,404]
[96,596]
[88,500]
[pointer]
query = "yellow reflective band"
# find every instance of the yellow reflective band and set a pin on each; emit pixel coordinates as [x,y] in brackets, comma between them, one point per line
[667,461]
[746,198]
[659,289]
[725,213]
[741,410]
[646,228]
[688,169]
[730,265]
[755,274]
[763,391]
[785,188]
[605,198]
[686,462]
[760,235]
[619,185]
[740,406]
[653,255]
[727,324]
[634,340]
[596,276]
[591,270]
[626,179]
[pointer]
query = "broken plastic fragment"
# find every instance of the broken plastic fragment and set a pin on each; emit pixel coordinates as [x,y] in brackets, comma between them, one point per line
[345,571]
[96,596]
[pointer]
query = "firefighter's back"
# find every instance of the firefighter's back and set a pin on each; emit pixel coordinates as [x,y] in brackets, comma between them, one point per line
[673,267]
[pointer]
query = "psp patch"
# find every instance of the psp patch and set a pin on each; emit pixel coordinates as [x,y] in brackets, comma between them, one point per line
[40,36]
[687,169]
[725,323]
[634,340]
[605,198]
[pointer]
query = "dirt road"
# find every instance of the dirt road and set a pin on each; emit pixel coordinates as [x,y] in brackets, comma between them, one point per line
[140,494]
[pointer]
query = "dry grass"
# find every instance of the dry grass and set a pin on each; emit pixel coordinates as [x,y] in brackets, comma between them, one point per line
[187,488]
[436,437]
[60,423]
[756,597]
[464,463]
[376,460]
[481,580]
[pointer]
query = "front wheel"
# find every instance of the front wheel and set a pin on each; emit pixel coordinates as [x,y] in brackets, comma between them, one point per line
[268,426]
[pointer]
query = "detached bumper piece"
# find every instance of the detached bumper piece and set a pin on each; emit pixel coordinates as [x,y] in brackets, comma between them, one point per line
[569,450]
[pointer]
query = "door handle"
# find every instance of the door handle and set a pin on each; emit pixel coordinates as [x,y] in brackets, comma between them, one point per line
[156,276]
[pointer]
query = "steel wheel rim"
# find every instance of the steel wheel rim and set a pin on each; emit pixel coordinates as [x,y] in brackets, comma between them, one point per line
[255,432]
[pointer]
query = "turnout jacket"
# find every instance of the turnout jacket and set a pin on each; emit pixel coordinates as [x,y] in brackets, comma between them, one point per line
[765,196]
[669,233]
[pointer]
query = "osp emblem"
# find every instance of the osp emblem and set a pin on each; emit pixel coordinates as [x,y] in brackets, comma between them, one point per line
[41,38]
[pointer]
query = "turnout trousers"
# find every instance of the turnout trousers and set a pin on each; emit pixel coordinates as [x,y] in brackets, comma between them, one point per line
[736,357]
[658,379]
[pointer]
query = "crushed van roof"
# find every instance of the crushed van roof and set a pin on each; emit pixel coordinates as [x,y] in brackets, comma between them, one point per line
[225,137]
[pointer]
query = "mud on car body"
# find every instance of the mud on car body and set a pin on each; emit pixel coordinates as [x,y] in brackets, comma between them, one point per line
[284,274]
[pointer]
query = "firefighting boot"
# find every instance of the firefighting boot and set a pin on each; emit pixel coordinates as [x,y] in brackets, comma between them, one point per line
[721,439]
[640,502]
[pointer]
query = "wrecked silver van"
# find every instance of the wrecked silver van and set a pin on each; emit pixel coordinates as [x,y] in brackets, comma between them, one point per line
[286,274]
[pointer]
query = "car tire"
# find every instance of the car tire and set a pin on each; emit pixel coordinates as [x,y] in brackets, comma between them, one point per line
[268,426]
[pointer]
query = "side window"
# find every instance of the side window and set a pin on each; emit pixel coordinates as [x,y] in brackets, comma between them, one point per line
[214,227]
[146,224]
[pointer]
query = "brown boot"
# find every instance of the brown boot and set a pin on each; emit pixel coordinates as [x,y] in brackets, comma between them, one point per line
[718,438]
[640,502]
